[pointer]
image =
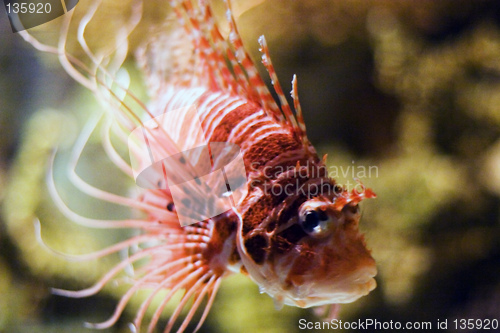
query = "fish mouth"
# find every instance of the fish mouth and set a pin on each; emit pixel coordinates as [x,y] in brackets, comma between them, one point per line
[354,285]
[345,290]
[364,276]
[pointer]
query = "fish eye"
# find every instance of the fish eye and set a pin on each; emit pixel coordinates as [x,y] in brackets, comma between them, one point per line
[314,222]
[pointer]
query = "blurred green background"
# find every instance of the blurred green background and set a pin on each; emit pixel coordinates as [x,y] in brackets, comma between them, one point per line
[409,87]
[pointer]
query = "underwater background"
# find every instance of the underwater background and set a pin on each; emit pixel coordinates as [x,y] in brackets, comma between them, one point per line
[409,90]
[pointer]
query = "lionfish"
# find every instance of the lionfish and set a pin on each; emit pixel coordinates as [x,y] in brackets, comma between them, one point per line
[292,229]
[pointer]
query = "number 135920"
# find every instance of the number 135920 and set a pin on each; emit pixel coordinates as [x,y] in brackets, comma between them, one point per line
[24,7]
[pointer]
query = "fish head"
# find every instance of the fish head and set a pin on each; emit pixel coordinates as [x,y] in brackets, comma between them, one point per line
[319,256]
